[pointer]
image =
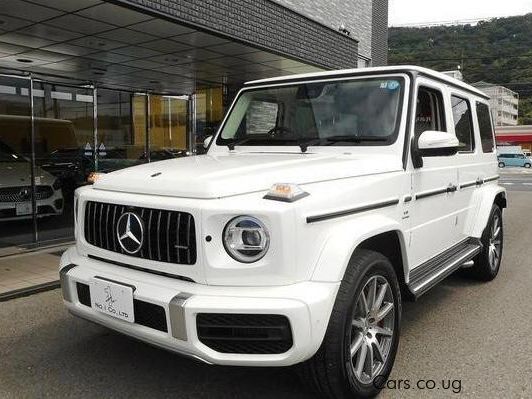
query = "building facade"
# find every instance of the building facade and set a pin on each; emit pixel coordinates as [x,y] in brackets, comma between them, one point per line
[94,86]
[515,136]
[503,101]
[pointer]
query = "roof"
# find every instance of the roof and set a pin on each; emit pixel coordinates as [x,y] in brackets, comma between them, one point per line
[368,71]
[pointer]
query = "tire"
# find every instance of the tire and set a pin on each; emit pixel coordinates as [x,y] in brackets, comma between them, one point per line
[488,261]
[502,164]
[527,165]
[332,371]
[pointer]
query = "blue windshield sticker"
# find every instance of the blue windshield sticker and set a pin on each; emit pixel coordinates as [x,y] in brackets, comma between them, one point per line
[390,85]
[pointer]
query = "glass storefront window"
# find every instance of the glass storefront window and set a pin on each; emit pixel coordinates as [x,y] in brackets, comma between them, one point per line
[209,114]
[168,127]
[16,207]
[131,128]
[119,144]
[64,131]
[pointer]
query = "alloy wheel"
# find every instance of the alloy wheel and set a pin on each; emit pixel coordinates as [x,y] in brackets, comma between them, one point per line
[372,329]
[494,249]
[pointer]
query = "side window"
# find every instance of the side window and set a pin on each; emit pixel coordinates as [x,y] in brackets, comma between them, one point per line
[430,112]
[485,127]
[463,125]
[261,117]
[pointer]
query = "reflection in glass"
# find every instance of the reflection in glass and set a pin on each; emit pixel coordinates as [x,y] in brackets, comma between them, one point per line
[16,213]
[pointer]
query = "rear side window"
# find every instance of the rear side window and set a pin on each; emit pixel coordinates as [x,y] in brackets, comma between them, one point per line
[463,125]
[485,127]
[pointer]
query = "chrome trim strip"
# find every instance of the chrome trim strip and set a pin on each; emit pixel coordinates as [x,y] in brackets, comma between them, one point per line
[352,211]
[469,184]
[493,178]
[65,287]
[431,193]
[176,310]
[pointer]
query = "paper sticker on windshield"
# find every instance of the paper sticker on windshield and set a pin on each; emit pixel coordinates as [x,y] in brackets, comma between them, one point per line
[390,85]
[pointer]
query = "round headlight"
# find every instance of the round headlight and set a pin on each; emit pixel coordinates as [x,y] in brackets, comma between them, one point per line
[246,239]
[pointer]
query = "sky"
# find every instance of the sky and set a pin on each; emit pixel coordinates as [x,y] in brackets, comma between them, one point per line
[428,11]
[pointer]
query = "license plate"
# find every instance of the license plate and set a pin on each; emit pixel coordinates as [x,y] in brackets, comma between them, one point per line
[113,299]
[23,209]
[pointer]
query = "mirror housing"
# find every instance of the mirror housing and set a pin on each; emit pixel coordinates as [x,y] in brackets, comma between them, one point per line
[437,144]
[207,141]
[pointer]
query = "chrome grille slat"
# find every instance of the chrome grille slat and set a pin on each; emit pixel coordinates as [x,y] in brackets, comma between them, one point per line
[177,238]
[159,236]
[168,222]
[164,230]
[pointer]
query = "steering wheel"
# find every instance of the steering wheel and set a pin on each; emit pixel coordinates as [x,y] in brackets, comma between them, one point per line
[273,131]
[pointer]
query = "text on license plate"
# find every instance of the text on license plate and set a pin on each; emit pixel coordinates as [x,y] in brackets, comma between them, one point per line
[113,299]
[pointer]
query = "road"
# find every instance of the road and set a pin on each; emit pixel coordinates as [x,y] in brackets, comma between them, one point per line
[475,334]
[516,179]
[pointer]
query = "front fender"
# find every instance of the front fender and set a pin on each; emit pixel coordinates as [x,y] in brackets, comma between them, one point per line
[486,198]
[345,237]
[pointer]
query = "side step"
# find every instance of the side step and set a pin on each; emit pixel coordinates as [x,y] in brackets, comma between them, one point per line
[430,273]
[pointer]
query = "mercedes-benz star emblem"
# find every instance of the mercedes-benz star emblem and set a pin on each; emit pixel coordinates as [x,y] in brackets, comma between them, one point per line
[130,232]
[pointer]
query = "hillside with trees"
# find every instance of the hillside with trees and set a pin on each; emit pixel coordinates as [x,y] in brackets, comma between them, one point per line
[496,51]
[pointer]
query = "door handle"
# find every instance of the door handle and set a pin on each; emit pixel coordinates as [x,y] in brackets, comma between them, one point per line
[452,188]
[480,181]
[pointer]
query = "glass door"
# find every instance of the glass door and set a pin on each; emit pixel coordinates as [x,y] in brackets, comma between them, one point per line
[64,154]
[16,205]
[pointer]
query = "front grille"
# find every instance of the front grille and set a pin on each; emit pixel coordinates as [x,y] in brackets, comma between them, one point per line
[245,333]
[146,314]
[169,236]
[23,193]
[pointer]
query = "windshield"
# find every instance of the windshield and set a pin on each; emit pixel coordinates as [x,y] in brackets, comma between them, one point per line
[349,112]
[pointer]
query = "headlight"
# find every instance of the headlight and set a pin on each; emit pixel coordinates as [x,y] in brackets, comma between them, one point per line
[246,239]
[94,177]
[57,184]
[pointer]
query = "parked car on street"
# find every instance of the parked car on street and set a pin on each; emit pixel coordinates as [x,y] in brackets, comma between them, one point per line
[514,160]
[323,202]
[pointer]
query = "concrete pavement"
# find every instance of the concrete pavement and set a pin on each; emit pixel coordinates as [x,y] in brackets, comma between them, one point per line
[470,334]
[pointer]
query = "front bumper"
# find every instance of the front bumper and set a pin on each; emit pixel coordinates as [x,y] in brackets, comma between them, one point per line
[306,305]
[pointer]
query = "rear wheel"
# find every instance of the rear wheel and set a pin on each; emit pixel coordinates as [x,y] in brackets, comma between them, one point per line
[527,165]
[488,261]
[502,164]
[359,348]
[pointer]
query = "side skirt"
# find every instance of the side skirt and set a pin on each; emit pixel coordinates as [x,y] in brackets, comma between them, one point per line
[430,273]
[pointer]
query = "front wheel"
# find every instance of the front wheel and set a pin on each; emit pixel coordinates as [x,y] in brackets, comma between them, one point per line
[359,348]
[502,164]
[527,165]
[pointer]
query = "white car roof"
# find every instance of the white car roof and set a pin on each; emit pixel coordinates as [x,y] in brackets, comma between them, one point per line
[368,71]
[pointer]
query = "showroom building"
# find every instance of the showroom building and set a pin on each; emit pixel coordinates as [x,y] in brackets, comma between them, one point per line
[91,85]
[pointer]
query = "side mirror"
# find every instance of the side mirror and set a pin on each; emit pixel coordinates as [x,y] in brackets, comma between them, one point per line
[207,141]
[437,144]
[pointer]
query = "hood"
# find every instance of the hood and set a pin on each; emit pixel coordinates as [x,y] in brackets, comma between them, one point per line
[223,175]
[15,174]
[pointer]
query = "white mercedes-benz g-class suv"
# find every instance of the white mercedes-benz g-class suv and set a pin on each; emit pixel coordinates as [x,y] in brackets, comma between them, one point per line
[323,201]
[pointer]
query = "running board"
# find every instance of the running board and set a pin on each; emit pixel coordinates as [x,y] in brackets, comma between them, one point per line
[430,273]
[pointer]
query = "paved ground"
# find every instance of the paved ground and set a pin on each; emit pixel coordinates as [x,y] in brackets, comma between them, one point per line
[516,179]
[477,335]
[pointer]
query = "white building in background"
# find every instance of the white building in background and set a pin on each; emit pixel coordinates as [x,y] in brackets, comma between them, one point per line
[504,103]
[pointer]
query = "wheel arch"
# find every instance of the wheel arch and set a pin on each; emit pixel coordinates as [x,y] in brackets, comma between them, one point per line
[493,194]
[385,236]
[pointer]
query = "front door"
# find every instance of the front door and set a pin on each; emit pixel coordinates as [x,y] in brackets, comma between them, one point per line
[433,212]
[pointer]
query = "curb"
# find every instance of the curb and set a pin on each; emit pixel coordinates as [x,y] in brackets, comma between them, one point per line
[22,292]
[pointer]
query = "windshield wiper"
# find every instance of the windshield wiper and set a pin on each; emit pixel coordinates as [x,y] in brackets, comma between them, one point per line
[355,139]
[304,144]
[231,145]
